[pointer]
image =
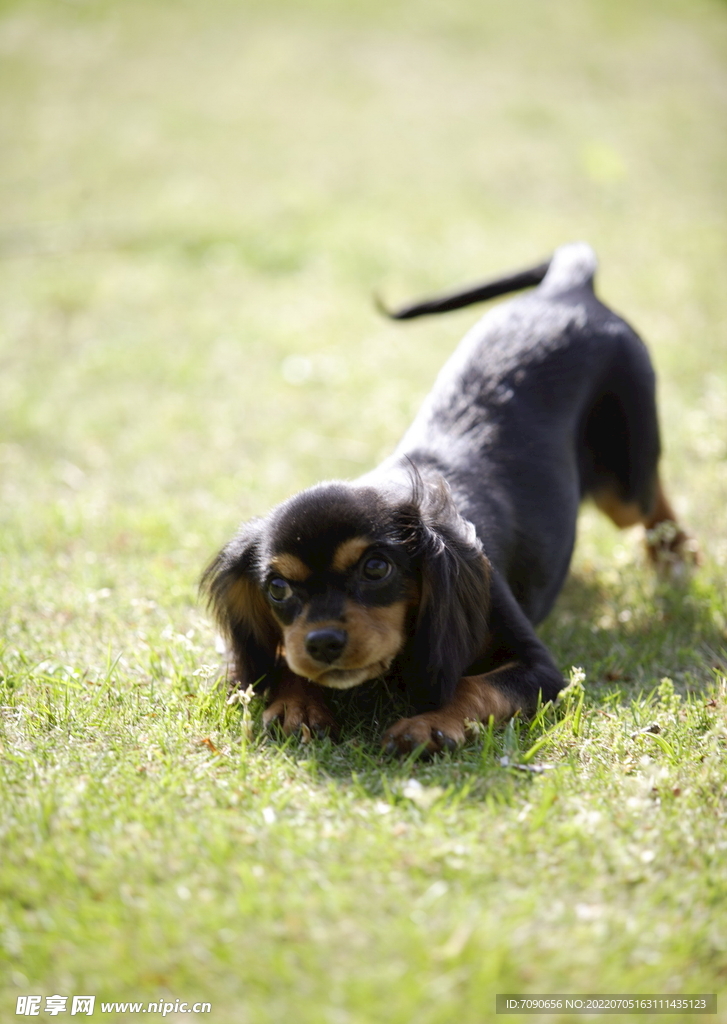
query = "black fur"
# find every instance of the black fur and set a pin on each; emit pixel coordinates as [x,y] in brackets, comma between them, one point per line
[548,399]
[453,578]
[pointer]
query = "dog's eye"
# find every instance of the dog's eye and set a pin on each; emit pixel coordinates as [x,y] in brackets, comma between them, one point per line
[279,590]
[376,569]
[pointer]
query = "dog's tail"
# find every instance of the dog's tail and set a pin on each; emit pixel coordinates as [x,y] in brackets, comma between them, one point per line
[570,266]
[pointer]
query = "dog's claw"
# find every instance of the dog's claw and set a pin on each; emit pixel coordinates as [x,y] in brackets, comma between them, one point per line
[420,742]
[446,741]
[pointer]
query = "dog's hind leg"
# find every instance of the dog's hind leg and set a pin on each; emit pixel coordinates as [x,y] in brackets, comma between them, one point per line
[670,548]
[619,456]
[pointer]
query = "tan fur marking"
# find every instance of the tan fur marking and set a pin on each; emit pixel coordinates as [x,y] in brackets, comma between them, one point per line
[375,637]
[245,603]
[662,511]
[669,547]
[238,598]
[475,698]
[625,514]
[291,567]
[622,513]
[348,553]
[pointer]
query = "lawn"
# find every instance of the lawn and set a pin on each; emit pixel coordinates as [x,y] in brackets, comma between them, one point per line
[199,201]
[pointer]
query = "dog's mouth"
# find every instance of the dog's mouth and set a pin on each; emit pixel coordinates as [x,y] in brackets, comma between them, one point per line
[347,678]
[342,678]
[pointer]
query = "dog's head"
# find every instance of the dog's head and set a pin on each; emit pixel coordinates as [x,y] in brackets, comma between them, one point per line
[344,581]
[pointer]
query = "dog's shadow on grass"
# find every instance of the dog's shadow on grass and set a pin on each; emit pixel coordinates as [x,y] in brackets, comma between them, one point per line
[625,636]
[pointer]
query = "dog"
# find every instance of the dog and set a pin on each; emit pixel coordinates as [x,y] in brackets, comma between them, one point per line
[433,569]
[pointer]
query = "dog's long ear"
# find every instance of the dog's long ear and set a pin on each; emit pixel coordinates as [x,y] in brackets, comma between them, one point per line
[231,585]
[452,625]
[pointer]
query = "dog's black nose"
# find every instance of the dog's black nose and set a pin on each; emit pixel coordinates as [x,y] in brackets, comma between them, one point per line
[326,644]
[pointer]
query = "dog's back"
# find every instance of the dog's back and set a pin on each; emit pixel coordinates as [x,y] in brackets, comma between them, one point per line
[512,422]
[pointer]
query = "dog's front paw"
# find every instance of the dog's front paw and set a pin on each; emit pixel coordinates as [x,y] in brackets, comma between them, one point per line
[303,715]
[432,732]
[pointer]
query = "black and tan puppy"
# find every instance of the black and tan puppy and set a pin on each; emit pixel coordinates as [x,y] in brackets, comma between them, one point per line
[434,567]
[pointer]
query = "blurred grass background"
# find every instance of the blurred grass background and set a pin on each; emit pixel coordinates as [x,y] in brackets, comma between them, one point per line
[199,201]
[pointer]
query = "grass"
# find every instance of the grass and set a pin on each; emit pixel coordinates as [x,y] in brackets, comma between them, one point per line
[199,201]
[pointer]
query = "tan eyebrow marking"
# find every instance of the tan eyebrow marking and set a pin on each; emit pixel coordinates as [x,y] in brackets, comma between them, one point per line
[291,567]
[348,553]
